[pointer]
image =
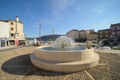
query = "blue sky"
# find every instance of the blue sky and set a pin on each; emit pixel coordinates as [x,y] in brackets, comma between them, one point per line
[61,15]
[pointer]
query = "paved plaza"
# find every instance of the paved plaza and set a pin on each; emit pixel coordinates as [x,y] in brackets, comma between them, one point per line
[15,64]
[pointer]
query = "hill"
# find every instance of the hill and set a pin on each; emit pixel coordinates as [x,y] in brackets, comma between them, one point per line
[48,37]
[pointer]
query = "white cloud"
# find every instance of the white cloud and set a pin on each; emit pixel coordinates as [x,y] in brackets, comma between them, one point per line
[98,11]
[79,8]
[59,6]
[62,4]
[29,13]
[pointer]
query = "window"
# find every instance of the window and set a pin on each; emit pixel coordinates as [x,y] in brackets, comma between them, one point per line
[118,28]
[17,35]
[118,32]
[113,33]
[11,23]
[12,29]
[12,35]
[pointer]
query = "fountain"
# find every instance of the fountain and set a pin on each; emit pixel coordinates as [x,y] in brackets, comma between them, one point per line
[63,56]
[63,41]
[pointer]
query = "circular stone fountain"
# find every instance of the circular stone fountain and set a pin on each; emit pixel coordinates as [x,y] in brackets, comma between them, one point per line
[63,56]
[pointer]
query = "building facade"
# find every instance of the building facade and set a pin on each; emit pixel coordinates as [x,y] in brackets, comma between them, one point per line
[74,34]
[103,34]
[115,31]
[92,36]
[16,33]
[4,29]
[84,33]
[4,33]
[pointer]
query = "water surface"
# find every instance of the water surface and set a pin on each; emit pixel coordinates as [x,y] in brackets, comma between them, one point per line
[75,48]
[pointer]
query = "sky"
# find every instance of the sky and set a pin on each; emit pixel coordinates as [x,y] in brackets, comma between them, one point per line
[61,15]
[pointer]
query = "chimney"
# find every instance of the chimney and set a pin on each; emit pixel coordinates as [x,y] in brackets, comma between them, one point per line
[17,18]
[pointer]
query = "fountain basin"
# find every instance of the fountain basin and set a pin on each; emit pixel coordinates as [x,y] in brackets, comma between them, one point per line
[64,61]
[64,56]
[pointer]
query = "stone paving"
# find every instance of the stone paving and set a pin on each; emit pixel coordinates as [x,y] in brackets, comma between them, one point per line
[16,65]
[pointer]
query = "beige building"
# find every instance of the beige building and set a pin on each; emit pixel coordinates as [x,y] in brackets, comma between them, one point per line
[16,33]
[84,33]
[88,34]
[92,36]
[74,34]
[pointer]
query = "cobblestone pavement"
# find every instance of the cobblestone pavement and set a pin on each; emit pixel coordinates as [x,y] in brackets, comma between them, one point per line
[16,65]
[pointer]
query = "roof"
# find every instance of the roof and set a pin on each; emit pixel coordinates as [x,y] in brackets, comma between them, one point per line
[14,20]
[94,33]
[104,30]
[9,20]
[4,20]
[74,30]
[117,24]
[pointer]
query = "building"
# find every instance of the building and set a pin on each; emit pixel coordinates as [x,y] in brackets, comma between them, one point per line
[89,34]
[16,33]
[4,29]
[84,33]
[103,34]
[74,34]
[115,31]
[92,36]
[4,33]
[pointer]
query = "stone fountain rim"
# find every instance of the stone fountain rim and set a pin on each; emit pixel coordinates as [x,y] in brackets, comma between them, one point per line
[40,49]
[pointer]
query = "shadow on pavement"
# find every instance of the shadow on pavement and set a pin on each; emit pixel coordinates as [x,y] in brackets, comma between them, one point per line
[21,65]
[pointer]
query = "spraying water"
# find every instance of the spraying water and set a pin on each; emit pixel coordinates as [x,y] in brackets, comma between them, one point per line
[63,41]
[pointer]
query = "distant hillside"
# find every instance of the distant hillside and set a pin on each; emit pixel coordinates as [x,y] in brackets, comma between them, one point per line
[49,37]
[30,38]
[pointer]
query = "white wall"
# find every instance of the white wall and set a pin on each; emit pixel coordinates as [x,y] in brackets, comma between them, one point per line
[4,30]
